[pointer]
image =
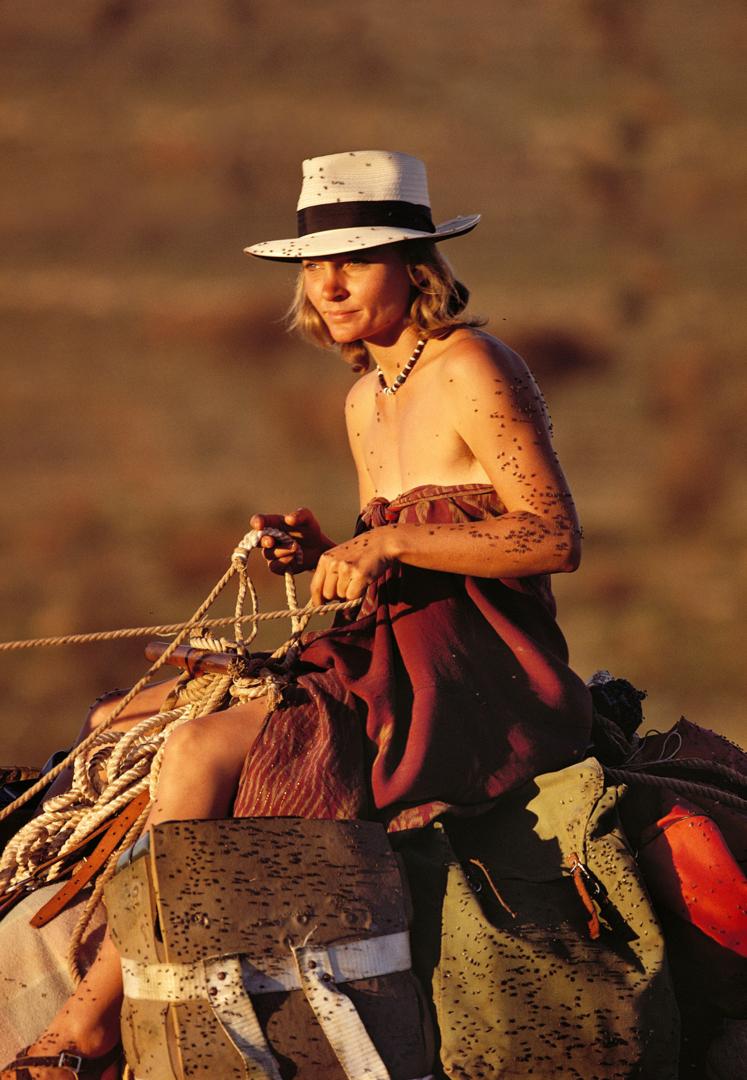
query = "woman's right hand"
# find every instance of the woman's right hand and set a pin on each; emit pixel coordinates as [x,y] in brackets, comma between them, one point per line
[309,542]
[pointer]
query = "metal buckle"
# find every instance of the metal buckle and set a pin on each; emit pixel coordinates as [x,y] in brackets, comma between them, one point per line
[70,1061]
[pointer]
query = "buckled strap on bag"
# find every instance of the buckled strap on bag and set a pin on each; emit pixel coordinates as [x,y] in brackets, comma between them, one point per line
[364,959]
[227,982]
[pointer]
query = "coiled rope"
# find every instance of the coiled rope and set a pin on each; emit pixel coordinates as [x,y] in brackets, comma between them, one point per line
[111,768]
[662,773]
[695,789]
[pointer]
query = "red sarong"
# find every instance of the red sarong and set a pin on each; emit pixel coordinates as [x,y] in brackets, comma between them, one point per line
[441,693]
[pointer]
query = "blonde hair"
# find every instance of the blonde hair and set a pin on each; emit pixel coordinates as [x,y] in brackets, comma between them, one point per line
[437,301]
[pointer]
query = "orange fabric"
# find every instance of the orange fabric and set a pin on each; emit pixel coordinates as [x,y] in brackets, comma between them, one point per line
[690,870]
[688,740]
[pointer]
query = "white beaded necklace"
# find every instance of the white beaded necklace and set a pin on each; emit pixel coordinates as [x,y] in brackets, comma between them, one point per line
[402,377]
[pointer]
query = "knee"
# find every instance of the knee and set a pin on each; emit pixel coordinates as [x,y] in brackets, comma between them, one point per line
[192,746]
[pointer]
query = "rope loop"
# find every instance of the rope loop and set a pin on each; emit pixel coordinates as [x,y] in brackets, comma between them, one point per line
[110,768]
[252,540]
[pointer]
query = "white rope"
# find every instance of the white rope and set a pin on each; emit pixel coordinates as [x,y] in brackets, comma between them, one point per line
[111,768]
[98,790]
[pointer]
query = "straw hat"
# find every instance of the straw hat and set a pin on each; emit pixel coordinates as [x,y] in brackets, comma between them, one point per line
[358,200]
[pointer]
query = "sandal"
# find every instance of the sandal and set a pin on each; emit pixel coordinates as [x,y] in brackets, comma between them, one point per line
[75,1064]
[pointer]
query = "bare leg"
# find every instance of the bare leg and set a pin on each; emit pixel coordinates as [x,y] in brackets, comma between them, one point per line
[201,766]
[202,762]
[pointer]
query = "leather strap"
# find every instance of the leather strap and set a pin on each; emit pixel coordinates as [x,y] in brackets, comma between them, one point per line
[11,897]
[578,873]
[67,858]
[17,891]
[118,827]
[71,1060]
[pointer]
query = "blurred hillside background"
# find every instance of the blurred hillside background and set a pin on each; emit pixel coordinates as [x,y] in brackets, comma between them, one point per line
[151,401]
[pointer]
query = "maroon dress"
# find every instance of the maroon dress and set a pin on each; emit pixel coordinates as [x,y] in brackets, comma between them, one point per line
[439,694]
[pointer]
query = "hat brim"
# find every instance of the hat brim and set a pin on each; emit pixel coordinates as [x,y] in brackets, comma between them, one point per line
[358,238]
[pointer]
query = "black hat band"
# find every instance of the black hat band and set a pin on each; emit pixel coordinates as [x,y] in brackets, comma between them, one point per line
[349,215]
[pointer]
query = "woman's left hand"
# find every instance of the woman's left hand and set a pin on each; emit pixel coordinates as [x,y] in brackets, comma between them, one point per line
[345,571]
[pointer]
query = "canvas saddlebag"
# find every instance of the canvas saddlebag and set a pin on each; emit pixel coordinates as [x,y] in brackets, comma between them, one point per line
[533,973]
[267,948]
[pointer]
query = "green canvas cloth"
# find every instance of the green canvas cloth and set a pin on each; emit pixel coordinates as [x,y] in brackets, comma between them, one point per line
[529,993]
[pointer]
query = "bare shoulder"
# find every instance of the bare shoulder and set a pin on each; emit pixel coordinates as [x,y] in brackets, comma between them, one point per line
[478,363]
[468,354]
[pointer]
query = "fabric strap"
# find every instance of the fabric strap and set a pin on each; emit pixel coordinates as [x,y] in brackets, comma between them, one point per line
[337,1016]
[227,982]
[351,960]
[236,1015]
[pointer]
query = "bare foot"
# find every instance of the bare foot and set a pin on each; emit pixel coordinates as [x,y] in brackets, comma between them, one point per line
[86,1026]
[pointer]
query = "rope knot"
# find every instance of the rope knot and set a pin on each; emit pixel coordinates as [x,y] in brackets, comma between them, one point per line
[252,540]
[273,687]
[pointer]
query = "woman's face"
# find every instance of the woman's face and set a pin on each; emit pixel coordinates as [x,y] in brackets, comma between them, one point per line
[361,295]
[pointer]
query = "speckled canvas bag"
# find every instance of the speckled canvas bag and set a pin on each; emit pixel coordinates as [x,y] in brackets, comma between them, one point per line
[501,934]
[268,949]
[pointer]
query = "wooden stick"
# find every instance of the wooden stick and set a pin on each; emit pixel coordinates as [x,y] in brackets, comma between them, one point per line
[195,661]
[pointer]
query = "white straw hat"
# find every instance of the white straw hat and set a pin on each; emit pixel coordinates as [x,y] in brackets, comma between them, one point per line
[358,200]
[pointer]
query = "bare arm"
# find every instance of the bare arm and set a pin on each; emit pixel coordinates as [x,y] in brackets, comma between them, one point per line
[494,406]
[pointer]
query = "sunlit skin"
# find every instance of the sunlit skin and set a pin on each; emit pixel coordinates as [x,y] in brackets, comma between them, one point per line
[469,412]
[360,296]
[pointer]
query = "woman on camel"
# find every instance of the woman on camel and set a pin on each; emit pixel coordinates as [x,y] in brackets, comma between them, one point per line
[450,684]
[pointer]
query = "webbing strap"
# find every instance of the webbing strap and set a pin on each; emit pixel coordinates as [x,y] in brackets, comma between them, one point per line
[237,1017]
[365,959]
[227,982]
[337,1016]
